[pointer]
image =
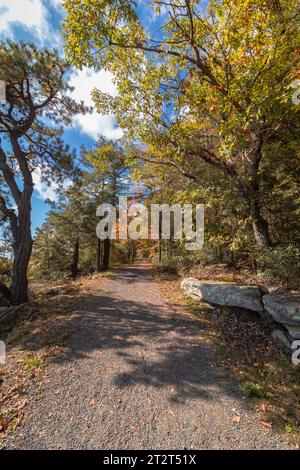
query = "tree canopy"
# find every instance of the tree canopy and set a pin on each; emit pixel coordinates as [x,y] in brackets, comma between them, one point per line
[212,83]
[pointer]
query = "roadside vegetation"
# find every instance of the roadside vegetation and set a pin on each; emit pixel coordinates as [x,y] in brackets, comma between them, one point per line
[264,372]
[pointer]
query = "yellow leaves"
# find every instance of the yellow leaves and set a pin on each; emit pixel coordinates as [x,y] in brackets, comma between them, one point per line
[246,49]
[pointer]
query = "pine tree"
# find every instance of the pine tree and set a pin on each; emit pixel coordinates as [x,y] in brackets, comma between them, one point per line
[37,95]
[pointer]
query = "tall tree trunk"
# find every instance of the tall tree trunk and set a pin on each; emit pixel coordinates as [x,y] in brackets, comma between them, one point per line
[98,261]
[259,223]
[5,292]
[159,250]
[74,265]
[106,254]
[170,248]
[19,285]
[160,238]
[22,248]
[251,192]
[132,251]
[260,229]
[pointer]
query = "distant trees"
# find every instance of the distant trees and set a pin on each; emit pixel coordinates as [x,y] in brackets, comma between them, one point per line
[109,159]
[68,239]
[69,232]
[37,105]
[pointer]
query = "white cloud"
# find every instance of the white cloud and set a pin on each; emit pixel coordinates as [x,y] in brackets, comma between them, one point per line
[95,124]
[56,3]
[30,14]
[84,81]
[43,190]
[34,16]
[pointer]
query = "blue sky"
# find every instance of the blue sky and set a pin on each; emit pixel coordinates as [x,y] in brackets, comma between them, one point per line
[39,21]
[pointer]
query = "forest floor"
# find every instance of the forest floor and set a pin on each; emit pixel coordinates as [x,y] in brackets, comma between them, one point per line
[113,364]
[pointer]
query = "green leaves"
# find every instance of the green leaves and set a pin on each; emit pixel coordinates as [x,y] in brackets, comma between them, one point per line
[207,91]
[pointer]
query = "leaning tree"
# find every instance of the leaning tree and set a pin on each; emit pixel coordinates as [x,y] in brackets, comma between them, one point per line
[37,104]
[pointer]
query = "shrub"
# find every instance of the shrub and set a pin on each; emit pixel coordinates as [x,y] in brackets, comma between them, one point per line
[166,268]
[253,390]
[279,264]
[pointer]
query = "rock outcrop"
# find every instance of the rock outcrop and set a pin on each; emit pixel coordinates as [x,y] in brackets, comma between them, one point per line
[284,308]
[225,293]
[280,308]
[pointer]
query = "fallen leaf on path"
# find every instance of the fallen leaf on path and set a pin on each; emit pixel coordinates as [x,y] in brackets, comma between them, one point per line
[263,407]
[21,404]
[267,425]
[236,419]
[4,423]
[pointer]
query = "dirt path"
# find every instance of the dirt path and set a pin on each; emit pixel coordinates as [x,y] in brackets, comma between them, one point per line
[138,376]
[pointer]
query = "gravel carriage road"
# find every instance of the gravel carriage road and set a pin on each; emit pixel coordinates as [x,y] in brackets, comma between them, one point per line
[139,377]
